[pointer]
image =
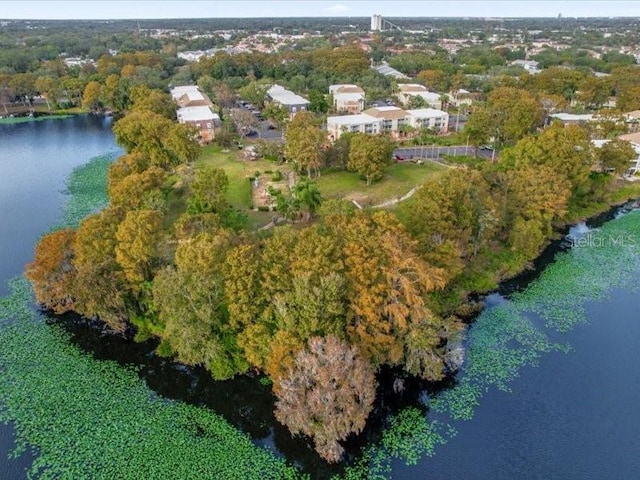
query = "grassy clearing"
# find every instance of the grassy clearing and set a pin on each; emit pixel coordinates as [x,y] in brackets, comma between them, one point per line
[238,171]
[397,181]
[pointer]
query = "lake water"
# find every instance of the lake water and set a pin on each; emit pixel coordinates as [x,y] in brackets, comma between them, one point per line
[35,159]
[574,416]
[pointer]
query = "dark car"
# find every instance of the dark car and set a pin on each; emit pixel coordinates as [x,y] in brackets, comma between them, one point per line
[252,133]
[398,157]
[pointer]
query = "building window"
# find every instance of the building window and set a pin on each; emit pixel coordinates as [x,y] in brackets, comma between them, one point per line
[293,109]
[209,125]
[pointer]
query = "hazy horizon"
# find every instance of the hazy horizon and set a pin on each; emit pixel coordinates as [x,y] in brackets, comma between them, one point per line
[163,10]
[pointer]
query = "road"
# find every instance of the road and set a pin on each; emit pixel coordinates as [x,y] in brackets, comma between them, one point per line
[436,152]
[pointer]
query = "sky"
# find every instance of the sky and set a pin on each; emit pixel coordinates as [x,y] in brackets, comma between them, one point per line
[117,9]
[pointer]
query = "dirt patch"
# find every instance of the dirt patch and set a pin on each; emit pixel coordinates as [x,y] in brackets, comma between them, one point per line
[260,188]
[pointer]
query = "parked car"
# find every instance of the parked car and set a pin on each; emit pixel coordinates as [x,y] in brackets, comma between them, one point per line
[399,158]
[486,147]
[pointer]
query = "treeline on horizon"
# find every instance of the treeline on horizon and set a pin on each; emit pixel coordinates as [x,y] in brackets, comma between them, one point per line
[319,305]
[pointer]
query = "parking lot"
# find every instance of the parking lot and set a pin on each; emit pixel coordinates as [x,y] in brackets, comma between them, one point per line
[435,152]
[264,129]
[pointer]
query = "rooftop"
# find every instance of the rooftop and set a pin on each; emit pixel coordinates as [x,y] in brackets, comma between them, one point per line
[631,137]
[178,92]
[387,113]
[345,88]
[286,97]
[385,69]
[359,119]
[412,87]
[196,114]
[572,117]
[426,113]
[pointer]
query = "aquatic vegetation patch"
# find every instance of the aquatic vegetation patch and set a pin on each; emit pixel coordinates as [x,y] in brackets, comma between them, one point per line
[409,436]
[87,190]
[96,419]
[15,120]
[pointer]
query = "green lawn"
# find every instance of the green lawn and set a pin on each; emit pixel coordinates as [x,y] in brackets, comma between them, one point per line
[238,171]
[397,181]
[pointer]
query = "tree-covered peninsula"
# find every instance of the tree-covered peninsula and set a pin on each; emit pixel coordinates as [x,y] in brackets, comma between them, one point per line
[320,304]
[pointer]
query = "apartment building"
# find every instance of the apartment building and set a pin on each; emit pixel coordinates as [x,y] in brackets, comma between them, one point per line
[431,118]
[194,108]
[360,123]
[293,102]
[409,90]
[392,118]
[389,120]
[347,98]
[190,96]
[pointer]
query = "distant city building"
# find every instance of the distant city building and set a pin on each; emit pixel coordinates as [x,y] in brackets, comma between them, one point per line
[347,98]
[79,62]
[408,90]
[376,23]
[195,55]
[294,103]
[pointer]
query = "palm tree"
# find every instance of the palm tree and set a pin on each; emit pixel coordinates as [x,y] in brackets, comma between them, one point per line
[308,197]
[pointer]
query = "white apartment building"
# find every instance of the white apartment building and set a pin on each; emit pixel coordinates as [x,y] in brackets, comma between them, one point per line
[361,123]
[408,90]
[347,98]
[392,118]
[437,120]
[634,140]
[194,108]
[293,102]
[189,96]
[460,97]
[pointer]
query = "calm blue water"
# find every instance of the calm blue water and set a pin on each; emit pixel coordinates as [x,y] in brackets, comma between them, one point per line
[35,159]
[574,417]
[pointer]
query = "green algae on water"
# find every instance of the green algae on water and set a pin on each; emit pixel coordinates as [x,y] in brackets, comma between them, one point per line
[16,120]
[94,419]
[87,190]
